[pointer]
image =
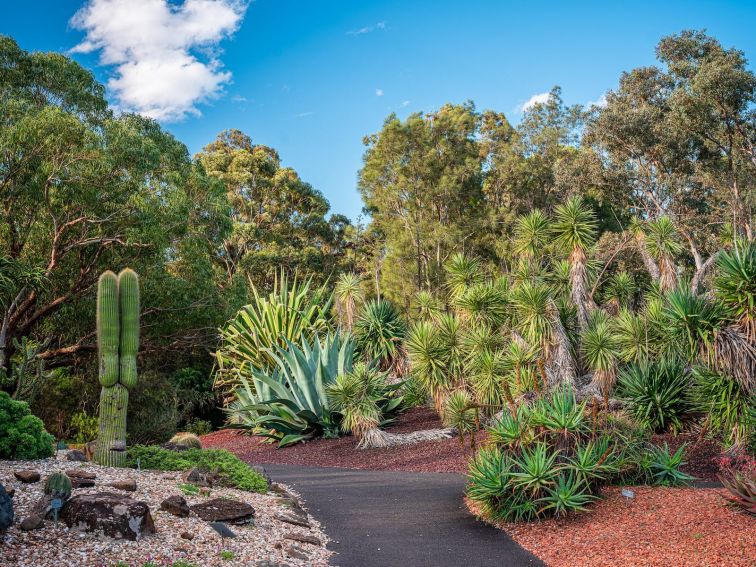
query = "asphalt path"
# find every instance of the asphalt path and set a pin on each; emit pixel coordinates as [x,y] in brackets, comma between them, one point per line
[402,519]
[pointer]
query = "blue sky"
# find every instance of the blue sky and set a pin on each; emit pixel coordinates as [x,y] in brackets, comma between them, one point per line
[312,78]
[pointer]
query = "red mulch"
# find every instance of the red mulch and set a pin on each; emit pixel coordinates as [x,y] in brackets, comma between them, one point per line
[431,456]
[684,527]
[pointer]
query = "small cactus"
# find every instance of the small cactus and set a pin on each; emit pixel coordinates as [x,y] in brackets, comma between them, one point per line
[58,485]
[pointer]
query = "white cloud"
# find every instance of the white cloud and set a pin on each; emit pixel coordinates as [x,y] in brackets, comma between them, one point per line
[540,98]
[368,29]
[164,54]
[304,114]
[601,102]
[406,103]
[378,92]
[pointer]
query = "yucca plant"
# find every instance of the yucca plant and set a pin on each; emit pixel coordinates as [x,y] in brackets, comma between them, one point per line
[735,285]
[531,235]
[426,306]
[364,398]
[726,407]
[348,294]
[655,393]
[662,243]
[487,376]
[461,412]
[289,403]
[379,332]
[462,272]
[621,289]
[483,303]
[428,361]
[631,336]
[291,312]
[574,229]
[600,351]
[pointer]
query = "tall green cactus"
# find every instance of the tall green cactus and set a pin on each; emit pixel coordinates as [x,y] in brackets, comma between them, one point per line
[118,342]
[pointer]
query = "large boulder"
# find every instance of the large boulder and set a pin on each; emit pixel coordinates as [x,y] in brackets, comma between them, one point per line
[109,514]
[27,476]
[225,510]
[6,509]
[175,505]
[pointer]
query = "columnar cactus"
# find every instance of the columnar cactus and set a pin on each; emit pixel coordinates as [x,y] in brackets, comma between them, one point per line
[118,342]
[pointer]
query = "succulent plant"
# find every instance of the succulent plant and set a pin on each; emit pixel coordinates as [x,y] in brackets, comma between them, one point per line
[58,485]
[118,342]
[742,489]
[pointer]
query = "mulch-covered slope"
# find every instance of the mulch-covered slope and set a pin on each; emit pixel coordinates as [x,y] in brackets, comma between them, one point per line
[432,456]
[659,527]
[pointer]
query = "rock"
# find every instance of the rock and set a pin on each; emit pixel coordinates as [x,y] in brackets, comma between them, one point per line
[6,509]
[225,510]
[302,538]
[296,552]
[175,505]
[109,514]
[187,535]
[127,485]
[291,504]
[80,473]
[267,563]
[82,483]
[200,477]
[33,522]
[294,519]
[76,455]
[27,476]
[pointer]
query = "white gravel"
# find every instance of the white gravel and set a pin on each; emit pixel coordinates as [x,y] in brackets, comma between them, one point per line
[260,545]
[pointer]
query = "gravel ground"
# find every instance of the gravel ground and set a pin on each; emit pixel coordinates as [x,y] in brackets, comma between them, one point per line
[446,455]
[660,527]
[57,545]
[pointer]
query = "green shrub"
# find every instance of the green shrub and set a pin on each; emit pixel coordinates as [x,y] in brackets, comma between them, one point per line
[85,426]
[232,471]
[655,393]
[22,435]
[378,332]
[726,407]
[199,427]
[153,415]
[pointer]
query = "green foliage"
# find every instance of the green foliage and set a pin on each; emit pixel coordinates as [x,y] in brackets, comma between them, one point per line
[227,555]
[662,468]
[692,321]
[574,225]
[378,333]
[726,407]
[85,426]
[289,403]
[199,427]
[232,471]
[292,312]
[735,284]
[656,393]
[460,412]
[22,435]
[189,489]
[364,398]
[153,415]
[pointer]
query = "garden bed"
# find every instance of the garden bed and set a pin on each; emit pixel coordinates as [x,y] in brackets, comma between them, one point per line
[446,455]
[265,542]
[685,527]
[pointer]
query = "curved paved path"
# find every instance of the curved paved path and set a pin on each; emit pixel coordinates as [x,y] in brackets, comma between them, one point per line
[402,519]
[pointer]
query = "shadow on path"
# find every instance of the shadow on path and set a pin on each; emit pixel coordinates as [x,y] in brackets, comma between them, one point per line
[402,519]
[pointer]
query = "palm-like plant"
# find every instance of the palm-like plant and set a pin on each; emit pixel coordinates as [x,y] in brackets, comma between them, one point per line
[348,293]
[363,397]
[662,243]
[486,372]
[461,412]
[600,351]
[483,303]
[290,313]
[462,272]
[735,285]
[621,289]
[426,306]
[574,228]
[726,406]
[379,332]
[428,362]
[531,235]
